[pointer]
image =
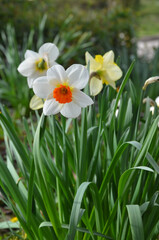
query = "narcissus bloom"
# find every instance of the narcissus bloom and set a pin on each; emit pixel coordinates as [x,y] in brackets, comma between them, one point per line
[61,89]
[102,70]
[37,64]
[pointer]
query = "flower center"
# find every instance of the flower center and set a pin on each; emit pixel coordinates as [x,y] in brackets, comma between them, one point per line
[99,59]
[41,65]
[63,94]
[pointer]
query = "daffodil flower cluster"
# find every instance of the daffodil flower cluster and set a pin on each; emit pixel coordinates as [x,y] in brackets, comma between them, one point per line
[59,90]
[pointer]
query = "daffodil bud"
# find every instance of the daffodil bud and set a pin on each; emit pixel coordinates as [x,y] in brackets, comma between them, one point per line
[150,81]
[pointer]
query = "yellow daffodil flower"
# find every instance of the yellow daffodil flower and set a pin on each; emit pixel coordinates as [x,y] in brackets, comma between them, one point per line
[103,70]
[14,219]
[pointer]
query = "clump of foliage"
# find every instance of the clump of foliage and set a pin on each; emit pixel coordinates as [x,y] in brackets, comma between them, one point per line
[89,178]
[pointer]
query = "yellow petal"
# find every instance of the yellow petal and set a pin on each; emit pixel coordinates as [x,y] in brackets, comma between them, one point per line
[113,71]
[36,103]
[94,66]
[108,81]
[112,84]
[96,86]
[108,57]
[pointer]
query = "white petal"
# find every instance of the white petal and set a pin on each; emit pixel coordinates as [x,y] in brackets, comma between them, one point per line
[152,110]
[42,88]
[30,81]
[117,112]
[80,98]
[27,67]
[78,76]
[50,50]
[108,57]
[30,53]
[34,76]
[113,71]
[94,66]
[70,110]
[56,75]
[36,103]
[52,54]
[96,86]
[51,106]
[157,101]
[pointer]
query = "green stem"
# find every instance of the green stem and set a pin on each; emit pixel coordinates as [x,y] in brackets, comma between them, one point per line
[30,192]
[83,152]
[76,139]
[57,164]
[64,160]
[92,166]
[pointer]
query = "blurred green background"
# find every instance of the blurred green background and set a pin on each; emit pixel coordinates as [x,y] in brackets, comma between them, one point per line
[76,27]
[101,15]
[104,18]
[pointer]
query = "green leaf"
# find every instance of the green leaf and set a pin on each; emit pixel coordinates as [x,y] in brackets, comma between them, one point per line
[125,180]
[150,213]
[8,127]
[136,223]
[66,226]
[127,75]
[9,224]
[48,199]
[76,209]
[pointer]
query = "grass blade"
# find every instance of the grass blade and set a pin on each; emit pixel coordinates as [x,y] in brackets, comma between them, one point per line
[136,223]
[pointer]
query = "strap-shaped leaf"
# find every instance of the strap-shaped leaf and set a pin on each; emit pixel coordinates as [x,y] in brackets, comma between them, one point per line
[76,209]
[136,223]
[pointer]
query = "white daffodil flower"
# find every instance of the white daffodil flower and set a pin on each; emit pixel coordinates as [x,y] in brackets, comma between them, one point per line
[103,70]
[61,89]
[37,64]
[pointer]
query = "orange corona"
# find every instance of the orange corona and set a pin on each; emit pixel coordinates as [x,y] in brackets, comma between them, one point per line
[62,94]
